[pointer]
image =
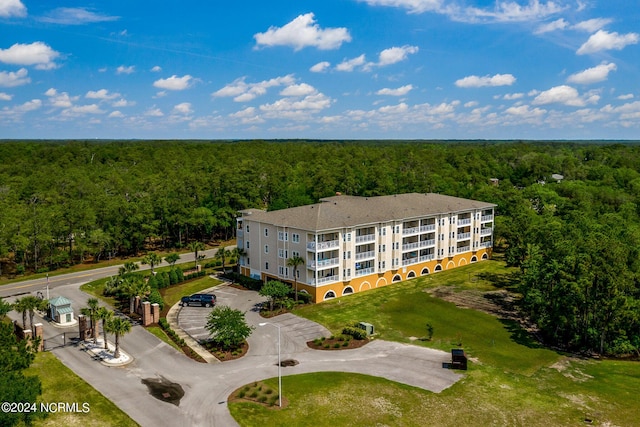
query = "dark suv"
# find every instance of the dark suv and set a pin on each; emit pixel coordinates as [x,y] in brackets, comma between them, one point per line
[203,300]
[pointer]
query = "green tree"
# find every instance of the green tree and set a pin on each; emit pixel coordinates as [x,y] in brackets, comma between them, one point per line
[134,286]
[105,315]
[152,259]
[295,262]
[91,310]
[223,254]
[195,248]
[276,291]
[172,258]
[238,253]
[128,268]
[31,303]
[21,307]
[5,308]
[118,327]
[228,326]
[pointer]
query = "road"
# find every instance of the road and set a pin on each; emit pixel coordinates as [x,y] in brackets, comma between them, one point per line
[81,277]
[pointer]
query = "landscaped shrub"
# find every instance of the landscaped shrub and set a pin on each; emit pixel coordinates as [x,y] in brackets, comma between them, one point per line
[356,333]
[153,282]
[173,277]
[155,297]
[245,281]
[180,274]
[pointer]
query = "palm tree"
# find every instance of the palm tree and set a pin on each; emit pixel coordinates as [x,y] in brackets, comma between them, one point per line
[295,262]
[195,247]
[92,311]
[21,307]
[128,268]
[134,286]
[152,259]
[105,315]
[237,253]
[31,304]
[5,307]
[222,255]
[118,327]
[172,258]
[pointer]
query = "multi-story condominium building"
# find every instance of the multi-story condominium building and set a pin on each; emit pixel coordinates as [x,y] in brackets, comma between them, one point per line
[352,244]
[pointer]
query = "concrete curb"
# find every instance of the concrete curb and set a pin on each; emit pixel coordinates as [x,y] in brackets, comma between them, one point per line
[172,319]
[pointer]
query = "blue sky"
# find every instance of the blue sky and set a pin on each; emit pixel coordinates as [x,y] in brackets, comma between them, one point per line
[329,69]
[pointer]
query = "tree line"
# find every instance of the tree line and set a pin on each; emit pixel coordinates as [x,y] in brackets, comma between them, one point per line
[575,239]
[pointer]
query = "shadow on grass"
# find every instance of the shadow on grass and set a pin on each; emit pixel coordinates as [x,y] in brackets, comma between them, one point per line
[507,281]
[520,335]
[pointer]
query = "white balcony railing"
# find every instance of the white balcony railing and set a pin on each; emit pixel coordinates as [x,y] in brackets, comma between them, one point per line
[365,238]
[425,228]
[365,271]
[323,246]
[416,260]
[364,255]
[486,218]
[463,249]
[486,231]
[464,236]
[323,263]
[486,244]
[323,280]
[427,243]
[409,246]
[412,230]
[239,233]
[464,221]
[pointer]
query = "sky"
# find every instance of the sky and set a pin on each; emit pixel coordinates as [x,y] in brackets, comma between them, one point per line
[327,69]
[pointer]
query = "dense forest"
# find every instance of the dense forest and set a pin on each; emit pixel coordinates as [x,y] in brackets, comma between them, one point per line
[576,240]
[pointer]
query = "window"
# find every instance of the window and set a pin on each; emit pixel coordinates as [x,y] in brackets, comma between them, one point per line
[295,254]
[295,238]
[248,261]
[266,232]
[266,249]
[247,244]
[346,237]
[247,228]
[280,270]
[298,274]
[280,253]
[280,235]
[266,265]
[346,255]
[286,237]
[382,248]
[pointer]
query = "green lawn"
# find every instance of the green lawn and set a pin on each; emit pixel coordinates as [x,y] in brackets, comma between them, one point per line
[172,294]
[511,380]
[60,384]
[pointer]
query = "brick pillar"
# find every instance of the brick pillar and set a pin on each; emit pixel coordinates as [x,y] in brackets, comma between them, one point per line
[83,330]
[40,336]
[147,319]
[136,305]
[155,312]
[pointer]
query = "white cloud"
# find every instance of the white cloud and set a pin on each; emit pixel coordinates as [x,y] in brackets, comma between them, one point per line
[349,65]
[302,32]
[122,103]
[183,108]
[81,110]
[125,70]
[60,100]
[565,95]
[153,112]
[5,96]
[101,94]
[174,82]
[243,91]
[320,67]
[559,24]
[413,6]
[524,111]
[156,69]
[395,54]
[401,91]
[13,79]
[626,96]
[32,105]
[115,114]
[37,53]
[9,8]
[301,89]
[496,80]
[603,40]
[513,96]
[592,25]
[471,104]
[75,16]
[317,102]
[592,75]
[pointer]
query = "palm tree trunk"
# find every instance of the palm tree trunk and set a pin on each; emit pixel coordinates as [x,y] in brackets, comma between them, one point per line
[104,333]
[95,332]
[117,352]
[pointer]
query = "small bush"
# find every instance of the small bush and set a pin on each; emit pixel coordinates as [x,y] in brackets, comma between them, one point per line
[326,346]
[336,345]
[269,391]
[262,399]
[241,394]
[346,343]
[356,333]
[254,394]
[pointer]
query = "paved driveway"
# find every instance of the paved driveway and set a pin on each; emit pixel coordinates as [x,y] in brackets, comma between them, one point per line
[207,386]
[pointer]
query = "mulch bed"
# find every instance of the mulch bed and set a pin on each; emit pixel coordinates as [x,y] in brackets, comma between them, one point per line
[331,343]
[224,354]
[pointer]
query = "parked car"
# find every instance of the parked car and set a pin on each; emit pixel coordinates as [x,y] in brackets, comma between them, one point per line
[203,300]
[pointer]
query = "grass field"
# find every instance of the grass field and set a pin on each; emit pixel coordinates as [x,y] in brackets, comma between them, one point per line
[60,384]
[511,380]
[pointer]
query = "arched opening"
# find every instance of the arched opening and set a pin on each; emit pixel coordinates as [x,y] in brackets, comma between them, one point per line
[381,282]
[329,295]
[462,261]
[438,267]
[424,271]
[348,290]
[411,275]
[474,259]
[396,278]
[364,286]
[450,265]
[485,256]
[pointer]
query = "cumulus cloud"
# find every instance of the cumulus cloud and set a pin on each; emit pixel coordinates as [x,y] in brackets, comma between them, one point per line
[60,100]
[156,69]
[626,96]
[32,105]
[153,112]
[301,89]
[316,102]
[101,94]
[592,75]
[174,82]
[349,65]
[604,40]
[75,16]
[395,54]
[591,25]
[81,110]
[320,67]
[525,111]
[302,32]
[241,91]
[565,95]
[37,53]
[559,24]
[14,78]
[5,96]
[9,8]
[122,103]
[183,108]
[115,114]
[496,80]
[125,70]
[513,96]
[401,91]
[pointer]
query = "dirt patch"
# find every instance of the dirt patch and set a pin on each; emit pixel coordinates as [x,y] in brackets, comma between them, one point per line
[336,343]
[499,303]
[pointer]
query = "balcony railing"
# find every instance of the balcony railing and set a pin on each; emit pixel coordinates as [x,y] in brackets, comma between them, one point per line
[239,233]
[429,227]
[323,246]
[323,280]
[365,271]
[364,255]
[486,231]
[412,230]
[463,249]
[486,218]
[365,238]
[486,244]
[464,221]
[427,243]
[464,236]
[416,260]
[323,263]
[409,246]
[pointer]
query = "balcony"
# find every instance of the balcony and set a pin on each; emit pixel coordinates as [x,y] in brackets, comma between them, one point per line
[416,260]
[486,218]
[324,263]
[324,280]
[412,230]
[486,231]
[323,246]
[409,246]
[365,255]
[461,249]
[486,244]
[365,238]
[464,221]
[464,236]
[365,271]
[239,233]
[427,243]
[426,228]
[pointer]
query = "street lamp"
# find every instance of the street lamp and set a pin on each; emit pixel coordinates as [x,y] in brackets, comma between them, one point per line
[279,363]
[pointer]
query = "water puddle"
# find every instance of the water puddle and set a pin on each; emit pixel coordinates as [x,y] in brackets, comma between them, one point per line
[163,389]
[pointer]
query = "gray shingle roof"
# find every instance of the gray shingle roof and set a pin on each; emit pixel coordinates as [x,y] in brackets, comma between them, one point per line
[349,211]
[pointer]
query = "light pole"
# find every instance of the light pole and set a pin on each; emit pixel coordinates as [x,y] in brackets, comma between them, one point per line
[279,363]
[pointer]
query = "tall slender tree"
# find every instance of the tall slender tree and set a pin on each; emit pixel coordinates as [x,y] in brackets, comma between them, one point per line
[196,247]
[295,262]
[105,315]
[152,259]
[118,327]
[91,310]
[223,254]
